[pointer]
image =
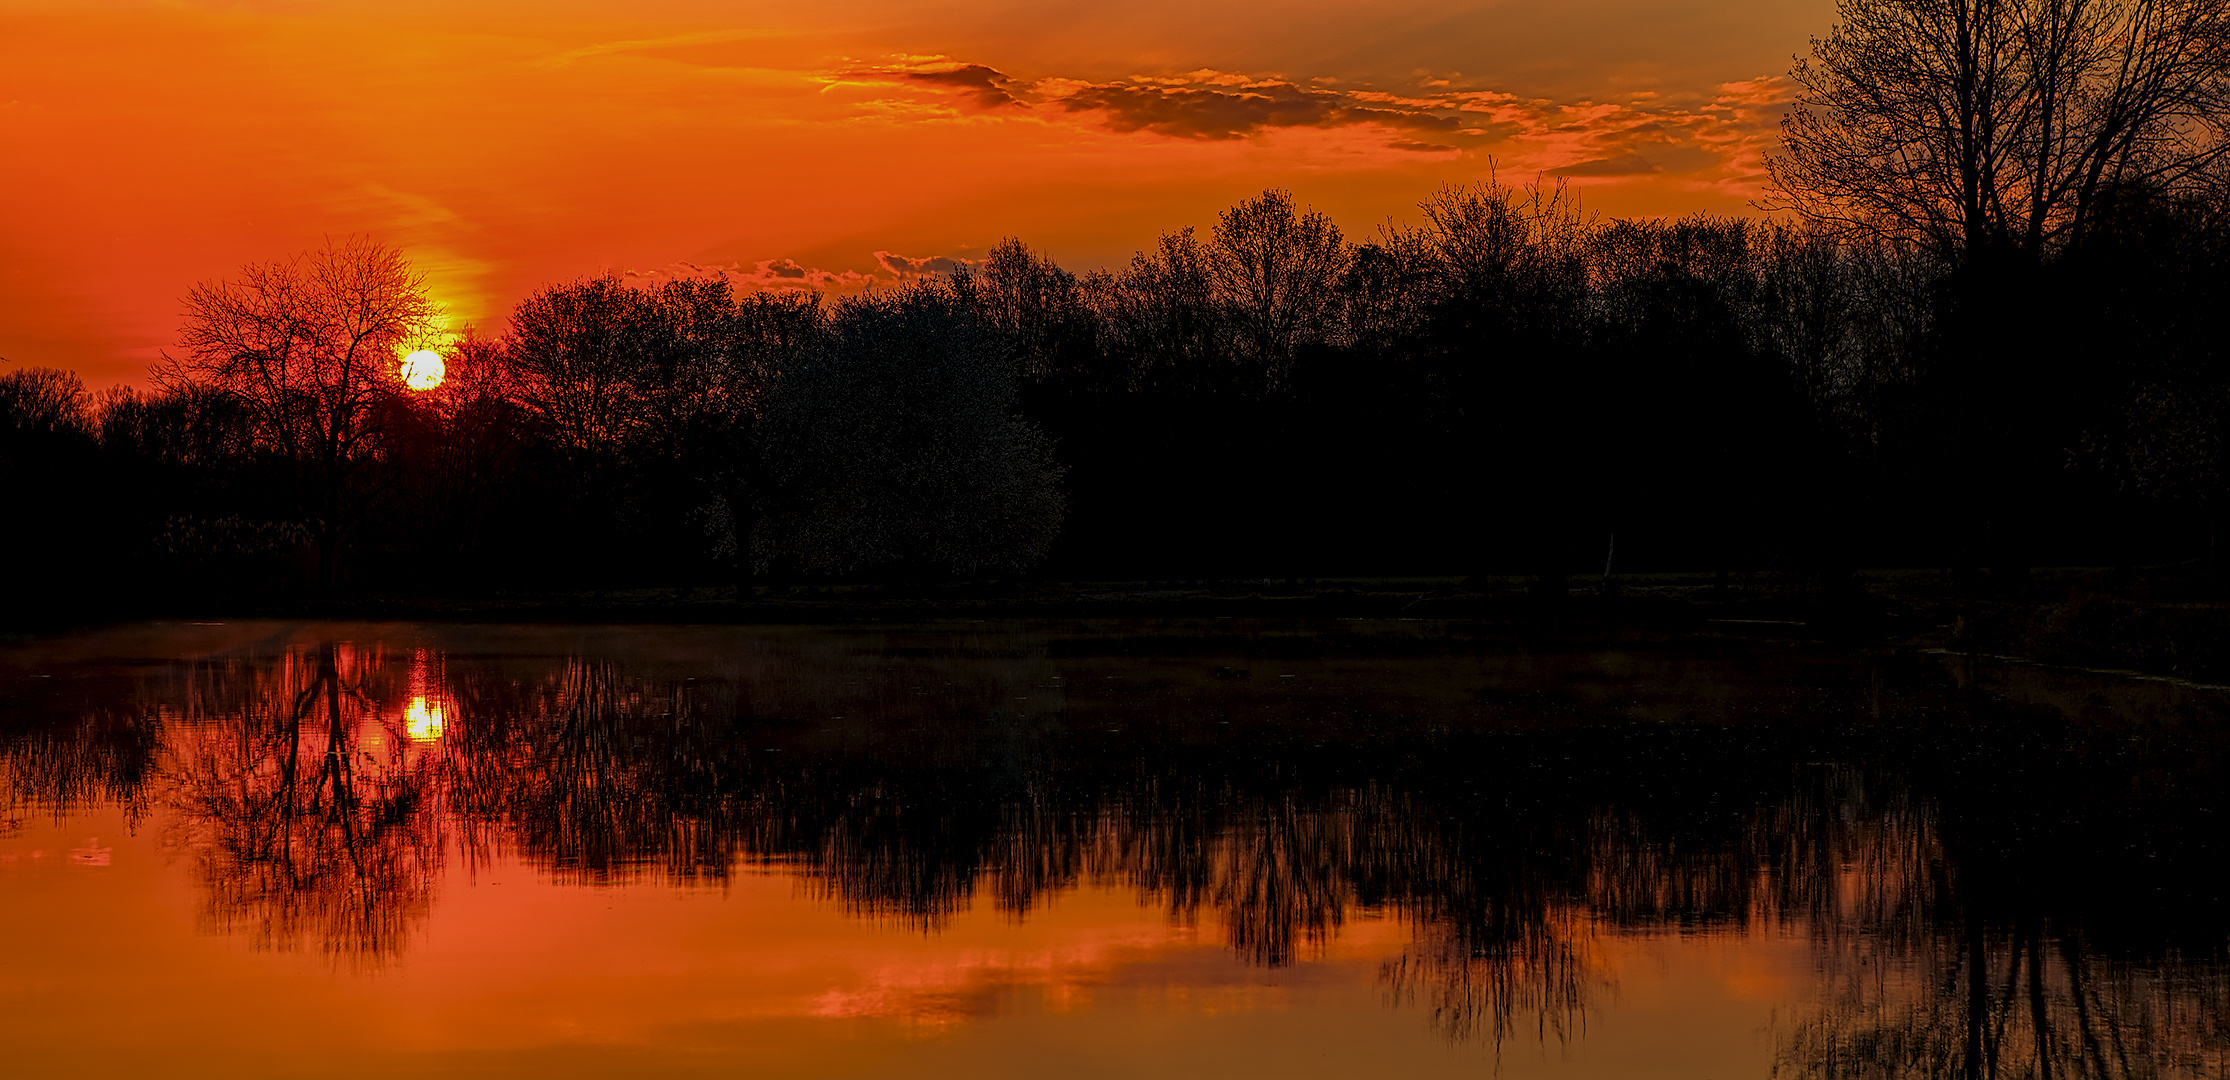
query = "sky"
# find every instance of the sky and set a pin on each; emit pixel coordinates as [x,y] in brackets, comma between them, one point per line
[146,145]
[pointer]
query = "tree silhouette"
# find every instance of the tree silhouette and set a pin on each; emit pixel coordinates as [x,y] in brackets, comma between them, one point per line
[310,347]
[1988,127]
[650,399]
[894,443]
[306,815]
[1274,270]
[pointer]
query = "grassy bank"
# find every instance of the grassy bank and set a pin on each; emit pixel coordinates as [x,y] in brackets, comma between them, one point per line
[2171,621]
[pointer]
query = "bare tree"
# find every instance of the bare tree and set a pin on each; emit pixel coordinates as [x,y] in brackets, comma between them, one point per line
[1978,126]
[1275,270]
[311,346]
[1033,304]
[653,395]
[1160,314]
[1508,248]
[41,403]
[574,349]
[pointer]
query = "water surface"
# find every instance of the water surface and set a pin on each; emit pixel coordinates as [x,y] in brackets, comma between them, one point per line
[1188,849]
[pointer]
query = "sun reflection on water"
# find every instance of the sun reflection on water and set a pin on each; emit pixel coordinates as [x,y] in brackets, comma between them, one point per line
[423,720]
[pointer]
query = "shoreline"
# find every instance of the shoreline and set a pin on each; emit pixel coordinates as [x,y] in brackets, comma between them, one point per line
[2171,622]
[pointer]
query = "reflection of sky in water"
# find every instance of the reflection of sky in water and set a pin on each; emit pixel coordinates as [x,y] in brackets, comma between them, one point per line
[652,981]
[870,853]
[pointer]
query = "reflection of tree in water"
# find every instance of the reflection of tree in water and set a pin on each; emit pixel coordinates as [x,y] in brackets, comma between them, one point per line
[108,757]
[2074,932]
[2013,1003]
[1479,990]
[307,813]
[62,751]
[905,787]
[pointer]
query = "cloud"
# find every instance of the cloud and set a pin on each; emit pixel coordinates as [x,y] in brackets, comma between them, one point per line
[988,88]
[766,275]
[1186,112]
[928,265]
[1628,164]
[1212,105]
[1713,139]
[1716,139]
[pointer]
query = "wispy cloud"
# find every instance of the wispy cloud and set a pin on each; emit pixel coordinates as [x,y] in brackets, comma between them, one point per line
[647,45]
[985,87]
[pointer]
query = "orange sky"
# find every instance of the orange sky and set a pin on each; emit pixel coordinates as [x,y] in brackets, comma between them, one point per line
[150,145]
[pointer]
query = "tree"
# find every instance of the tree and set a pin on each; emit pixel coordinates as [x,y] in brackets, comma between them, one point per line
[767,333]
[1276,271]
[1161,317]
[50,482]
[1998,136]
[895,446]
[311,346]
[459,460]
[39,404]
[1999,126]
[1036,307]
[572,350]
[1506,277]
[651,397]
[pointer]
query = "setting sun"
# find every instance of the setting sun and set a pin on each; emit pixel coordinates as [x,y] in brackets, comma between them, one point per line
[422,370]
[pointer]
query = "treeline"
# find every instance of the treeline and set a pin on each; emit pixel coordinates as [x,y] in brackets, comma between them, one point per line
[1512,386]
[1506,386]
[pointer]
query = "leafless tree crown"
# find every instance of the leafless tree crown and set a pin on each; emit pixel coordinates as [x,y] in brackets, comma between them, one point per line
[309,347]
[2001,125]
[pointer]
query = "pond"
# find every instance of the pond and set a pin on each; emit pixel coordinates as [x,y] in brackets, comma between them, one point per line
[1212,848]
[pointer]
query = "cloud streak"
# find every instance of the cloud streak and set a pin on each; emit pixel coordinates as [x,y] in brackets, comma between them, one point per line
[982,87]
[647,45]
[1717,138]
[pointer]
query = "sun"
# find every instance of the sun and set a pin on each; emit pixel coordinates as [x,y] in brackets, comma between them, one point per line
[422,370]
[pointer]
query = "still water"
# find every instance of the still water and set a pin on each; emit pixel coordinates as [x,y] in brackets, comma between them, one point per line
[1216,849]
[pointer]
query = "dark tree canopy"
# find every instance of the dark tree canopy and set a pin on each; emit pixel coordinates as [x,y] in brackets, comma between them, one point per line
[895,443]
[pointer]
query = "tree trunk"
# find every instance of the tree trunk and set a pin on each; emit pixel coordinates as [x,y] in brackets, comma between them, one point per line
[328,558]
[743,520]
